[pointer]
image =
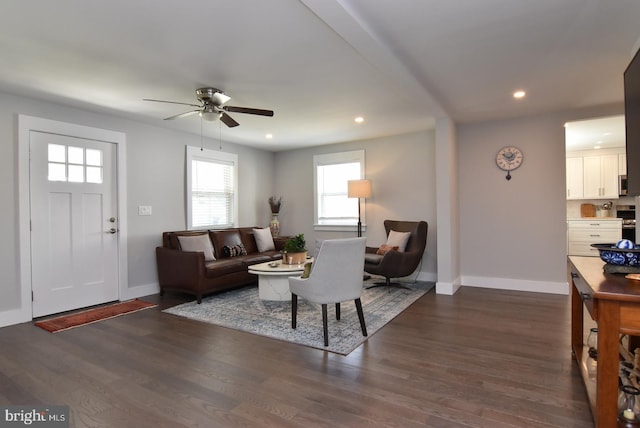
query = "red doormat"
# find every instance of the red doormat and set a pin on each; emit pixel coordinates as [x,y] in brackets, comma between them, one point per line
[66,322]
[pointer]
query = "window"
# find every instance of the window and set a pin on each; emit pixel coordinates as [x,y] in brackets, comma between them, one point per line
[333,209]
[74,164]
[212,183]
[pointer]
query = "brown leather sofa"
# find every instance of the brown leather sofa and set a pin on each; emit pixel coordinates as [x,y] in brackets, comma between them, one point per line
[188,272]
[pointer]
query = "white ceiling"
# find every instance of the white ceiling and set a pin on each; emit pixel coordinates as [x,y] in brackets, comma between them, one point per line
[600,133]
[319,63]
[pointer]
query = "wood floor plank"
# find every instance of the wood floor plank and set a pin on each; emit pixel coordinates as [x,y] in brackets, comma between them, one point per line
[480,358]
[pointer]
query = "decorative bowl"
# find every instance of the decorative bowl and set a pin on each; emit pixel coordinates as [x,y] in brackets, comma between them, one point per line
[610,254]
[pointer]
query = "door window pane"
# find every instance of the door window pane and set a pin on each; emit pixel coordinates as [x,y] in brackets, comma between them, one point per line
[94,157]
[94,174]
[57,153]
[76,173]
[57,172]
[76,155]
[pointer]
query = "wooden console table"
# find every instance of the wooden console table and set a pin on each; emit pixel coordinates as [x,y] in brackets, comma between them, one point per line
[613,302]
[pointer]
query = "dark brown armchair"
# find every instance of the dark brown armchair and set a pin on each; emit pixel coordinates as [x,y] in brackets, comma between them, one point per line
[396,264]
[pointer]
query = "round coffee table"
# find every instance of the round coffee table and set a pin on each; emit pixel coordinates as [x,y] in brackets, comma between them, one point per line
[273,279]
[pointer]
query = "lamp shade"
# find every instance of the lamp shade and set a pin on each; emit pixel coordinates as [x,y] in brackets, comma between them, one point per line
[359,188]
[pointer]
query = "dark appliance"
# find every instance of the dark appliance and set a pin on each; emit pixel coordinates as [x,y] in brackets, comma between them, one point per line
[628,215]
[622,185]
[632,123]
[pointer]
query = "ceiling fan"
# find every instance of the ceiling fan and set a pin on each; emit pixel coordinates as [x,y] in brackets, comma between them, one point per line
[212,107]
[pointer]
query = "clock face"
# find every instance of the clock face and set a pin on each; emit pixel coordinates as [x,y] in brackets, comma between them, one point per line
[509,158]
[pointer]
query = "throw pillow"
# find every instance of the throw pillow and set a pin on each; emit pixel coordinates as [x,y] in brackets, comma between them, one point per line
[384,248]
[264,240]
[234,250]
[307,270]
[199,243]
[398,239]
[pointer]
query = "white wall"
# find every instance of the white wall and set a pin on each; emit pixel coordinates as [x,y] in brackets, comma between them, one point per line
[155,176]
[402,171]
[513,233]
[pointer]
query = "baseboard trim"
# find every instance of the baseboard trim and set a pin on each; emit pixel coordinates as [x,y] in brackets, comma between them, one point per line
[14,316]
[516,284]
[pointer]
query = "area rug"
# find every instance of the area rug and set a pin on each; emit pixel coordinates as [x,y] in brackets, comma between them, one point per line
[243,310]
[77,319]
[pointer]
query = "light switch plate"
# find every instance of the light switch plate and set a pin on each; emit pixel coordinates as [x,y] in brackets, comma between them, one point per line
[144,209]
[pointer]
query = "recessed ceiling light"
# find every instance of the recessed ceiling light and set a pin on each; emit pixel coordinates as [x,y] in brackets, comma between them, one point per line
[359,119]
[268,136]
[596,147]
[519,94]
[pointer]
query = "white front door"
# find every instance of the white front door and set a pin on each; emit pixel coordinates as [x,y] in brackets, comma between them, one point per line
[74,248]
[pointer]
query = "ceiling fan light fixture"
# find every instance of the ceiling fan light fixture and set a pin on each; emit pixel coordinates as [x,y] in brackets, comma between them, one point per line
[210,115]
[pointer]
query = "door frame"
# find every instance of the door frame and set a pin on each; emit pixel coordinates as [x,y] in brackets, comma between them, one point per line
[26,124]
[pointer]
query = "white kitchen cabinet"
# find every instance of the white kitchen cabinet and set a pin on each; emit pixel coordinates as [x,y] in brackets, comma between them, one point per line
[575,178]
[584,232]
[622,164]
[600,177]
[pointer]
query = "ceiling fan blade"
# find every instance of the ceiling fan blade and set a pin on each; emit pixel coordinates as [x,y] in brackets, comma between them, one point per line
[228,120]
[187,113]
[171,102]
[248,110]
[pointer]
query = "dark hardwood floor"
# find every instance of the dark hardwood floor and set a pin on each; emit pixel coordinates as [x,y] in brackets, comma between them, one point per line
[481,358]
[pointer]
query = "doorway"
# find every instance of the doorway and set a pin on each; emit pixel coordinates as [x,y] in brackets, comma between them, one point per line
[74,256]
[72,223]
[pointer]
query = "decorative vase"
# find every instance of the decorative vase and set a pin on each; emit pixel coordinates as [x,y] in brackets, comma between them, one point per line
[274,225]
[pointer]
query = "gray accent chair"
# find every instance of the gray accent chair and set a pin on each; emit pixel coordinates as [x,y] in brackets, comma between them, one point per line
[335,276]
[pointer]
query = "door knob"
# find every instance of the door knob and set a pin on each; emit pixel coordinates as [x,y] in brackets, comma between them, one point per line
[112,219]
[112,230]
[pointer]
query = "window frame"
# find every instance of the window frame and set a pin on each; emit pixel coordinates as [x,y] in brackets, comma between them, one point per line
[213,156]
[355,156]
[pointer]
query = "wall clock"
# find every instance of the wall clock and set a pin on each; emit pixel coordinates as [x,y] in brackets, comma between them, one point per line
[508,159]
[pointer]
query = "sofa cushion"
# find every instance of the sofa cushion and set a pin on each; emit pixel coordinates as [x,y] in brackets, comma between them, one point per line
[222,267]
[199,243]
[222,238]
[398,239]
[248,239]
[264,240]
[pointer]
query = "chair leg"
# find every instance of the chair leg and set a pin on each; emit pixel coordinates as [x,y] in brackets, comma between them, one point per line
[361,316]
[338,311]
[325,326]
[294,310]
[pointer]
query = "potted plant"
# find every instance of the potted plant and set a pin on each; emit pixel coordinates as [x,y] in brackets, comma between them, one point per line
[295,250]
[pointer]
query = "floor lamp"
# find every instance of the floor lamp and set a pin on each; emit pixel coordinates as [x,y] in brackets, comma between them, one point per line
[359,189]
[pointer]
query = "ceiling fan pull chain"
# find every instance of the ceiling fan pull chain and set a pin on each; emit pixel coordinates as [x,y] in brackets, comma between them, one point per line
[201,143]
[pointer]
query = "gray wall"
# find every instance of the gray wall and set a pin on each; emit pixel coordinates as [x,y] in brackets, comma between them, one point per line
[155,176]
[513,233]
[402,171]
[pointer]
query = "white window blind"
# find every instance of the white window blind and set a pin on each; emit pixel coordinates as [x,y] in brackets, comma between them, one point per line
[211,189]
[333,171]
